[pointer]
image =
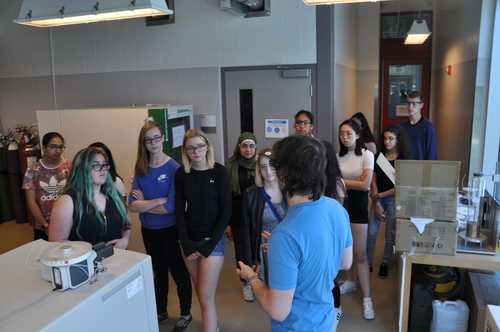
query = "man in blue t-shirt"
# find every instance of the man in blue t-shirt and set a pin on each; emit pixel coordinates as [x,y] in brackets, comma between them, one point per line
[420,130]
[307,249]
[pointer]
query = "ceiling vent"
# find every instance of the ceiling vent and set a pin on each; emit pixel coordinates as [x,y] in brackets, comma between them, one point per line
[247,8]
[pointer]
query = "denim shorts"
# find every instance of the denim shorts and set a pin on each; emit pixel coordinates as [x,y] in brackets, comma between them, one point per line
[219,248]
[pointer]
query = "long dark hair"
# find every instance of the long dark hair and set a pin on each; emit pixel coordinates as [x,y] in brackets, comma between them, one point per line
[366,132]
[111,163]
[333,174]
[403,144]
[360,144]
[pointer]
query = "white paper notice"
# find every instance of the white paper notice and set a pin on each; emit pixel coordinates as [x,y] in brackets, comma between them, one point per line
[386,166]
[276,128]
[401,110]
[134,287]
[177,135]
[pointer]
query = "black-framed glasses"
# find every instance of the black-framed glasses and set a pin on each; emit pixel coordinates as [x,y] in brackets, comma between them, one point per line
[56,147]
[199,148]
[100,167]
[148,140]
[246,146]
[305,123]
[413,103]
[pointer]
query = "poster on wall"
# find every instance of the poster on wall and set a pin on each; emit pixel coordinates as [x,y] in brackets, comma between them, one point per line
[276,128]
[178,135]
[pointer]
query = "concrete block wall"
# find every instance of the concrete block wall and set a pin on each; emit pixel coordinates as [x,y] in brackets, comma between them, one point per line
[124,62]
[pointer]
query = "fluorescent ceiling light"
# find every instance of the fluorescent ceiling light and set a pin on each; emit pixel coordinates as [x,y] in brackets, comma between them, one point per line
[331,2]
[418,33]
[49,13]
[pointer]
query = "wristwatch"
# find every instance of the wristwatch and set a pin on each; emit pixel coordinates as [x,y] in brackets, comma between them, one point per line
[255,276]
[44,226]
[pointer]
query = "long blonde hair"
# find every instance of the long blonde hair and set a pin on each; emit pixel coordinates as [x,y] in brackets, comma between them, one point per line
[142,162]
[191,133]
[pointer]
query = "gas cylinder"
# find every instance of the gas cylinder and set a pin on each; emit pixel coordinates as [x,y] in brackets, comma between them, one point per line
[15,181]
[6,211]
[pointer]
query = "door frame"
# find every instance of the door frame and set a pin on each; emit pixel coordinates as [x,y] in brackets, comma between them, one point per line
[224,70]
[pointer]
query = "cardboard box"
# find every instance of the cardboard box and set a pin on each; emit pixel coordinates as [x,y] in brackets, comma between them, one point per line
[480,290]
[492,322]
[426,189]
[438,237]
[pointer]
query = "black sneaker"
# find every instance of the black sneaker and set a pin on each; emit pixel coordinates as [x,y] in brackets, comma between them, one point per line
[162,317]
[182,324]
[382,273]
[371,268]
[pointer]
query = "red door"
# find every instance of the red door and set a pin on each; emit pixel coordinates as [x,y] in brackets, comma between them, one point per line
[399,77]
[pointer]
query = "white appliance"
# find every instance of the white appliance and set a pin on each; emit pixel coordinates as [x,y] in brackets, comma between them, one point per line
[122,299]
[68,264]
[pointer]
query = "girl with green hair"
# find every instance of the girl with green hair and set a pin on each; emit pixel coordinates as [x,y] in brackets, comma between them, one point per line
[90,209]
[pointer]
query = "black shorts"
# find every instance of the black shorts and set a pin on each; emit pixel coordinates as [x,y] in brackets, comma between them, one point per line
[357,206]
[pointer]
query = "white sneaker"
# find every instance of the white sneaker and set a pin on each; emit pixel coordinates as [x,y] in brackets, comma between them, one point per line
[368,312]
[336,320]
[347,286]
[248,294]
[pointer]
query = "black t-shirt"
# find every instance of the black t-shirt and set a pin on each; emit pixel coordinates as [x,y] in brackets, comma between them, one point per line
[383,182]
[91,229]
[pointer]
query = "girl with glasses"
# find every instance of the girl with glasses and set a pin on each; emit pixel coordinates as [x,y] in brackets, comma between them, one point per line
[394,144]
[241,167]
[356,166]
[304,123]
[117,180]
[90,209]
[44,181]
[202,210]
[153,197]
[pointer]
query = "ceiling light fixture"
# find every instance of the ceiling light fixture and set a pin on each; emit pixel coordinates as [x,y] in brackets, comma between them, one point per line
[418,33]
[332,2]
[49,13]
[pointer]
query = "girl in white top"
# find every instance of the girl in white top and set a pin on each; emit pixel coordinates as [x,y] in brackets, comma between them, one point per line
[356,165]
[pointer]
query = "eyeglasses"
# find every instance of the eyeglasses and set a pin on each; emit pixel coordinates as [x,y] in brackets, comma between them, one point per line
[199,148]
[305,123]
[347,134]
[414,103]
[390,138]
[148,140]
[55,147]
[100,167]
[246,146]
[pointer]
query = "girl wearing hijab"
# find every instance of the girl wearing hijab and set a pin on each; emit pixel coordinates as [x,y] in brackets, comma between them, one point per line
[241,167]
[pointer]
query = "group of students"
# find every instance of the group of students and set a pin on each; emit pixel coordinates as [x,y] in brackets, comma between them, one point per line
[187,210]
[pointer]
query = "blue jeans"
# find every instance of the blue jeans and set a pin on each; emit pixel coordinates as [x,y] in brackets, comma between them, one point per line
[390,230]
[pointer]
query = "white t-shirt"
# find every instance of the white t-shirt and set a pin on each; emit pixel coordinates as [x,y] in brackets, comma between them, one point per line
[352,166]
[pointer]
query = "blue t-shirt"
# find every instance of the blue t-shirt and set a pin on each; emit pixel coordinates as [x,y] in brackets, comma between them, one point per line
[305,251]
[159,182]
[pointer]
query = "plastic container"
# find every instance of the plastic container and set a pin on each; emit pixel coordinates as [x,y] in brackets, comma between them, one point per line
[449,316]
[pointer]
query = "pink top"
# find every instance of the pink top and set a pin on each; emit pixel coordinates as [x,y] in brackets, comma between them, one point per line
[371,147]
